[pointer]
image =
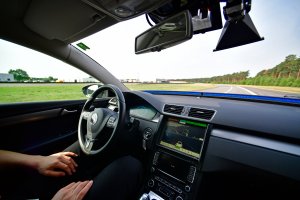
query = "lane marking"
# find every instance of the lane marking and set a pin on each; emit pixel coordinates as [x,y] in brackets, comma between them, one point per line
[249,91]
[229,89]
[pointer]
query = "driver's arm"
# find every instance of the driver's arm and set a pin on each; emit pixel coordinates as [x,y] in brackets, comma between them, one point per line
[58,164]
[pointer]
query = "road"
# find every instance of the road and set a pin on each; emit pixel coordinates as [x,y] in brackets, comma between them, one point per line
[233,89]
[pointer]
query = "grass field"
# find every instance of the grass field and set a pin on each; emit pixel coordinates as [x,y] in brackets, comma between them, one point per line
[66,91]
[57,91]
[39,92]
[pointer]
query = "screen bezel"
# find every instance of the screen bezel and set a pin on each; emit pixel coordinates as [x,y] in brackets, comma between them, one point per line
[163,129]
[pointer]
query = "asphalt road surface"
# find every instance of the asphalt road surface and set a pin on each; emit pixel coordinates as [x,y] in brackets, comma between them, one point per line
[233,89]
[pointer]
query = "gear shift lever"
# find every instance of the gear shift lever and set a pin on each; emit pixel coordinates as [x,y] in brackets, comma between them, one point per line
[145,197]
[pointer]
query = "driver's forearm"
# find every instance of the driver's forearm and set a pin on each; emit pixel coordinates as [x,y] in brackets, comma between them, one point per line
[10,159]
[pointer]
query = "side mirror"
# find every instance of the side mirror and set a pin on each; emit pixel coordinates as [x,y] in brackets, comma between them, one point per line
[88,90]
[170,32]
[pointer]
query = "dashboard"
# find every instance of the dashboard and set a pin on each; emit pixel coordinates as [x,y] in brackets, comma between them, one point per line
[192,145]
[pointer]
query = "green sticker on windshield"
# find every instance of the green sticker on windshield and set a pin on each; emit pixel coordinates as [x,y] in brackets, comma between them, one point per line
[83,46]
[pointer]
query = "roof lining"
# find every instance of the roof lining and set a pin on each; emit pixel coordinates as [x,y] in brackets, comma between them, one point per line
[84,19]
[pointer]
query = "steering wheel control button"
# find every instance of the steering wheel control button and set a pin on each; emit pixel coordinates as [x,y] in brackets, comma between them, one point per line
[111,122]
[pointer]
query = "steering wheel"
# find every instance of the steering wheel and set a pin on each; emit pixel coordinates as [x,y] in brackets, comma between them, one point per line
[93,124]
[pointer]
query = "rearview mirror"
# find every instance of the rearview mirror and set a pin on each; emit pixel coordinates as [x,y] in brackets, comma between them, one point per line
[170,32]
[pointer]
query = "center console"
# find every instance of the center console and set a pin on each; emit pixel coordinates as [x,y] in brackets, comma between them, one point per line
[175,160]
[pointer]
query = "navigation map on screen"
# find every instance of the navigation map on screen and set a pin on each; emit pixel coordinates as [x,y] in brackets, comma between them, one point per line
[184,136]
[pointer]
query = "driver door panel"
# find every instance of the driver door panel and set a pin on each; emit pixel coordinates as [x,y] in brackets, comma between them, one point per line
[39,128]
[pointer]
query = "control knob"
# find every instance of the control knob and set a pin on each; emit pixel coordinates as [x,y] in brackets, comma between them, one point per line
[151,183]
[187,188]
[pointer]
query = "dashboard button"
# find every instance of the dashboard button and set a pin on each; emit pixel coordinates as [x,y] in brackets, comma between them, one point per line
[151,183]
[179,198]
[187,188]
[147,133]
[152,169]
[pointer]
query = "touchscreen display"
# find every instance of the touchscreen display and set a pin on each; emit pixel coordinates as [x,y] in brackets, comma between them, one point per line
[184,136]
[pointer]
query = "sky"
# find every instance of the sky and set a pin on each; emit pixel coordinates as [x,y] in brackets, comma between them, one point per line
[277,21]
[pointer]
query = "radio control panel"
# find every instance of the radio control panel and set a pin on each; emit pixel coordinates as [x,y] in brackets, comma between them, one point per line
[174,168]
[171,177]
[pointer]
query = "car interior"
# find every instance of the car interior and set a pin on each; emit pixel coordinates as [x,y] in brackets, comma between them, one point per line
[192,145]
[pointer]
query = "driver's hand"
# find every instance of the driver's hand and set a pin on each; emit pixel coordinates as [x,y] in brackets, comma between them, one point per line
[73,191]
[58,164]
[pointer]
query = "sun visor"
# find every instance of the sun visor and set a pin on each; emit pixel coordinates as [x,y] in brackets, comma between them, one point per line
[125,9]
[64,20]
[238,33]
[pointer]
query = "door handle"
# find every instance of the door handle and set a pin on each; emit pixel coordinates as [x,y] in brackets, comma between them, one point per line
[67,112]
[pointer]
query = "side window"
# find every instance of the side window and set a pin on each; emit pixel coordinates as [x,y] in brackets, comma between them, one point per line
[30,76]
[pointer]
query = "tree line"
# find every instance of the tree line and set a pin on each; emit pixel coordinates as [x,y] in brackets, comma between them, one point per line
[286,73]
[22,76]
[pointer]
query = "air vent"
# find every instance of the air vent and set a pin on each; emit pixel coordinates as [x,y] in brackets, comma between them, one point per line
[173,109]
[201,113]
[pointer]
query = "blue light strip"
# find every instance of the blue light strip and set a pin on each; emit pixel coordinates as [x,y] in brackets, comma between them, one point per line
[224,95]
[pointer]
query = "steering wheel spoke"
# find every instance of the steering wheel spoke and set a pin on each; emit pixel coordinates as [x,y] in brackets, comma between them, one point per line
[85,115]
[89,134]
[89,145]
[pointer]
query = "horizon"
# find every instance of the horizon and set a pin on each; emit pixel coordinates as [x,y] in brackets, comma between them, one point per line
[80,79]
[116,54]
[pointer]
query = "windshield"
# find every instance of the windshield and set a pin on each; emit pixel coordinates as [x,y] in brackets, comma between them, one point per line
[270,67]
